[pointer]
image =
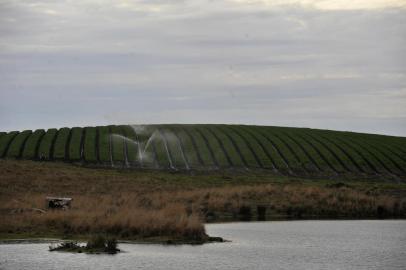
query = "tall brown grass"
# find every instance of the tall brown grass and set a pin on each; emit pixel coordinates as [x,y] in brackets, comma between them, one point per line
[143,206]
[123,215]
[181,213]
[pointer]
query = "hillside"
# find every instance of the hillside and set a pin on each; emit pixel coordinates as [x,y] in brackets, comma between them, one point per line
[279,150]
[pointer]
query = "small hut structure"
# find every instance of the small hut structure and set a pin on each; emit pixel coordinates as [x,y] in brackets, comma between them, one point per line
[58,203]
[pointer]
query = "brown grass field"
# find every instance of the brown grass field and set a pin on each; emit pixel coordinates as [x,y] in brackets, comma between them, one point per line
[158,206]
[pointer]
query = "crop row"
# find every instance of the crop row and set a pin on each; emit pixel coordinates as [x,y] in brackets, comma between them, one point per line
[31,145]
[296,151]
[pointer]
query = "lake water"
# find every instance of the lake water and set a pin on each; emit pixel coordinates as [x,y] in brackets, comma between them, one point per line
[369,244]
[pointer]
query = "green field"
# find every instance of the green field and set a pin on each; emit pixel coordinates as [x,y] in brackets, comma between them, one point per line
[278,150]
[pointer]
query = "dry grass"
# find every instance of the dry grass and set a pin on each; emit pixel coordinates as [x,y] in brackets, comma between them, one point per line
[145,205]
[294,200]
[122,215]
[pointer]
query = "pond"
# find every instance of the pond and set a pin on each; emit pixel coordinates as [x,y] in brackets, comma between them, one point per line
[366,244]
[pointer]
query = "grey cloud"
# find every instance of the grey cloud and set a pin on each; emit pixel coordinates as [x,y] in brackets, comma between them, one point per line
[194,61]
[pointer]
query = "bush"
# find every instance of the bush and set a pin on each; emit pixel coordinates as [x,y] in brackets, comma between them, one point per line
[97,241]
[111,245]
[100,243]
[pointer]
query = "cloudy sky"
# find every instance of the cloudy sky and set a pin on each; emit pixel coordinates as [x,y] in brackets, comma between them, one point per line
[312,63]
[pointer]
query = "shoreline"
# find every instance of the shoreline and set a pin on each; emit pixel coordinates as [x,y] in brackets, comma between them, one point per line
[4,241]
[167,240]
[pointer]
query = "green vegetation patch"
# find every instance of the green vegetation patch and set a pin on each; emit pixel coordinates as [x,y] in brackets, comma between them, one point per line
[214,145]
[253,154]
[145,137]
[32,144]
[104,145]
[278,150]
[17,145]
[324,152]
[175,149]
[118,139]
[61,143]
[161,150]
[131,145]
[188,148]
[203,152]
[75,144]
[229,147]
[366,155]
[389,149]
[317,159]
[390,160]
[335,150]
[270,150]
[242,154]
[300,160]
[46,145]
[352,155]
[89,146]
[284,149]
[5,142]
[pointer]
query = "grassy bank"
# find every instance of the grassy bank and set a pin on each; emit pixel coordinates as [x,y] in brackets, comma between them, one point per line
[163,206]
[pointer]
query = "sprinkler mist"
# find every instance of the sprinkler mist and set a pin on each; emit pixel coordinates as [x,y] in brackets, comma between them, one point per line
[144,157]
[142,147]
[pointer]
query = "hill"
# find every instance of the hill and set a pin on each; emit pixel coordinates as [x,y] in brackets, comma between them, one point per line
[279,150]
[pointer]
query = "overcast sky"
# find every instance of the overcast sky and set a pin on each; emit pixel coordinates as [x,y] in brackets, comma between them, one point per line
[322,64]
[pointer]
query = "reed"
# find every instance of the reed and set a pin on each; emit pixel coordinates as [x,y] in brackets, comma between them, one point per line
[143,205]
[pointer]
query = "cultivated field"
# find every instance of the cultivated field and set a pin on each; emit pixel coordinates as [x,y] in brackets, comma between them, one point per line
[279,150]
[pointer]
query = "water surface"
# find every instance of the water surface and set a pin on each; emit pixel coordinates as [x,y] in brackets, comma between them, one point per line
[379,244]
